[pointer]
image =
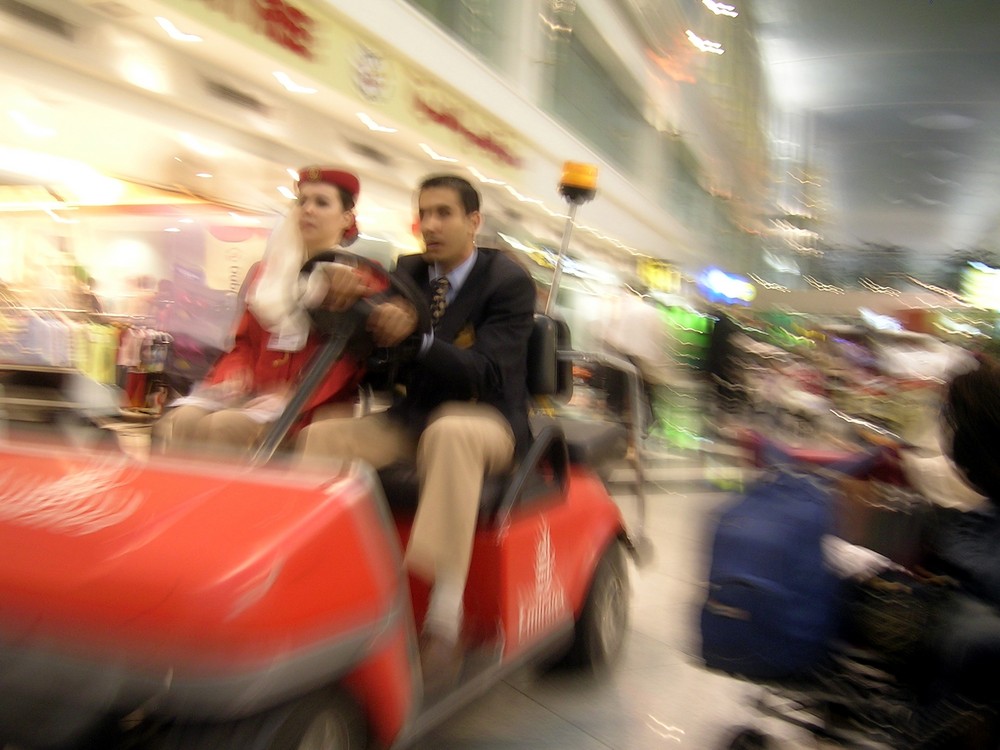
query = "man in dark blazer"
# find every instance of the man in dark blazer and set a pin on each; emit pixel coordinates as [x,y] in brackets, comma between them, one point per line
[464,412]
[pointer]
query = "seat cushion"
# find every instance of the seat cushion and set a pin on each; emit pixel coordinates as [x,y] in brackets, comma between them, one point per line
[589,441]
[402,490]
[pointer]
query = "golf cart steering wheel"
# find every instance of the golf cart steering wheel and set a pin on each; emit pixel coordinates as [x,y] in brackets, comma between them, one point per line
[328,322]
[344,331]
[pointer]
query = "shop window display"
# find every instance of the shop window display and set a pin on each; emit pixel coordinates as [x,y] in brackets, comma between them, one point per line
[138,299]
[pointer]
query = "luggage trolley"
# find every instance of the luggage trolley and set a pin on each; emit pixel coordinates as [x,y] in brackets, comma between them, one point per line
[857,694]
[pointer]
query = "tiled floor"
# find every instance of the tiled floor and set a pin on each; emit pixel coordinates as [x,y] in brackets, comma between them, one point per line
[658,695]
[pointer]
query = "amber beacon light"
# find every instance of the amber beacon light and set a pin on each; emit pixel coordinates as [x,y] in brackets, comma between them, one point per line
[578,185]
[579,182]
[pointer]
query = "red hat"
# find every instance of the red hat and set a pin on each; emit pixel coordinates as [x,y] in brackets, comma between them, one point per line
[336,177]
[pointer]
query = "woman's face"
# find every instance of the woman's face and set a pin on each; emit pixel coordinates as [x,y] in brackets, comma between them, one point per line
[322,217]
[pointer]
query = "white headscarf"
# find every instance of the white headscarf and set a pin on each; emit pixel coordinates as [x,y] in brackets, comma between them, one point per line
[280,298]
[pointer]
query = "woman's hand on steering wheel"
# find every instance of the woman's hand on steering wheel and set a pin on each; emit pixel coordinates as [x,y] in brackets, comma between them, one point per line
[345,286]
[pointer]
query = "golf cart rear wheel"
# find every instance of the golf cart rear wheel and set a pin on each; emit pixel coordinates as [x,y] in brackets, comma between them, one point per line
[600,630]
[321,721]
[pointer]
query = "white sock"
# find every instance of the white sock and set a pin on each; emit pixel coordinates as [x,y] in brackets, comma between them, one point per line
[444,611]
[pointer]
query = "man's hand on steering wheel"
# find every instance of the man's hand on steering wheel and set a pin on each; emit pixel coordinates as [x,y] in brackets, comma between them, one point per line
[392,321]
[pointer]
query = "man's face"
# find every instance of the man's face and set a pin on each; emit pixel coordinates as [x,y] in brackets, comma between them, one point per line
[449,233]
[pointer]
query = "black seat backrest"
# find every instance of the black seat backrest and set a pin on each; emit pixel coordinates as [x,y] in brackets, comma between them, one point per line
[548,375]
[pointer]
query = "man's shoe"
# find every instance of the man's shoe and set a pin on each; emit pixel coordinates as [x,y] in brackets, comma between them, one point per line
[440,663]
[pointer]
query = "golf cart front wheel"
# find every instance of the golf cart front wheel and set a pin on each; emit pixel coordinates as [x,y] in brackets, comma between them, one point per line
[322,721]
[749,739]
[600,630]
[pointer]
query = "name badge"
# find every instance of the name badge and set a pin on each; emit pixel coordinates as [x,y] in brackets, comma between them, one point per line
[287,342]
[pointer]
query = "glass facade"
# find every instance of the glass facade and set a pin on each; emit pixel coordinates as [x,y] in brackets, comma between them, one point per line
[681,190]
[589,101]
[580,80]
[481,25]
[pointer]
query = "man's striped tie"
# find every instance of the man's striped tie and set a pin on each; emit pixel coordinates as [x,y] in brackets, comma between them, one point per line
[439,300]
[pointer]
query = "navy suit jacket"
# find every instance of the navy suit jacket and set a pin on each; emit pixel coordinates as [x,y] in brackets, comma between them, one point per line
[480,346]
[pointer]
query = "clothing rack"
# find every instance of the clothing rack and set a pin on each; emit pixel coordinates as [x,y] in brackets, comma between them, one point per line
[103,346]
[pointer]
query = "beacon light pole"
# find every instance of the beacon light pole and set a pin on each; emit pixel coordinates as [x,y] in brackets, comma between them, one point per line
[578,185]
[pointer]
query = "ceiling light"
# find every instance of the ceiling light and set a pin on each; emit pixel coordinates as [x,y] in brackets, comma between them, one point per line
[944,121]
[204,175]
[59,219]
[823,287]
[522,198]
[146,74]
[88,185]
[243,218]
[553,26]
[720,9]
[767,284]
[935,180]
[372,125]
[286,192]
[515,243]
[484,179]
[172,229]
[293,174]
[780,264]
[982,267]
[878,288]
[200,146]
[705,45]
[942,154]
[435,155]
[288,83]
[174,33]
[29,126]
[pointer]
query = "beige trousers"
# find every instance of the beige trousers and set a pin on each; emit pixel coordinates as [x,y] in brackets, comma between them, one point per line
[187,429]
[229,432]
[461,444]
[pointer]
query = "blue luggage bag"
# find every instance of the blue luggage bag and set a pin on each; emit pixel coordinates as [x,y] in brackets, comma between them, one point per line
[772,604]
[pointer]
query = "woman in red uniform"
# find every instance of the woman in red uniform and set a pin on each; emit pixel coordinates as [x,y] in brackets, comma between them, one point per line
[250,384]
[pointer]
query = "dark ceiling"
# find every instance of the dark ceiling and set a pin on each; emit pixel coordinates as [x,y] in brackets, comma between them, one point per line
[896,104]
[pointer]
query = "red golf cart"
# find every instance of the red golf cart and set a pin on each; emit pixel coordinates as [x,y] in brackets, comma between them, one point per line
[191,604]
